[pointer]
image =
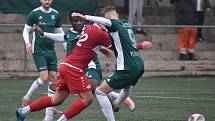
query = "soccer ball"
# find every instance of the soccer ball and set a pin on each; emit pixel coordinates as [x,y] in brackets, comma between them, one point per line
[196,117]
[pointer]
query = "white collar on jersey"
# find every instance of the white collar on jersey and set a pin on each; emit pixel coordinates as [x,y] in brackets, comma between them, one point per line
[72,30]
[44,10]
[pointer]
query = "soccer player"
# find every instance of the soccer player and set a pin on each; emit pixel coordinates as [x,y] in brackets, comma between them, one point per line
[93,71]
[43,51]
[72,79]
[129,65]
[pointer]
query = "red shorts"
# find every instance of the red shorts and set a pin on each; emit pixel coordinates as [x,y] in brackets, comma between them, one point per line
[72,80]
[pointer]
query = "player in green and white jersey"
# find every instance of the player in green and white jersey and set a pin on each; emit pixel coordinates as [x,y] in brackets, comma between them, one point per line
[93,71]
[43,51]
[129,64]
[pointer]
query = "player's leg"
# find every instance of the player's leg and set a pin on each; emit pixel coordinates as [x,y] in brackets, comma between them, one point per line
[79,86]
[94,76]
[128,102]
[52,67]
[79,105]
[41,65]
[77,83]
[112,82]
[104,102]
[50,111]
[123,80]
[46,101]
[35,86]
[123,94]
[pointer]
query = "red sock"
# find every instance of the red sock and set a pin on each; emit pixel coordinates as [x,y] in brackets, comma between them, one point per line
[75,109]
[41,104]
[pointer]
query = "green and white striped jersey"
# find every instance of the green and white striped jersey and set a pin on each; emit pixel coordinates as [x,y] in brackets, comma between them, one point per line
[48,21]
[124,45]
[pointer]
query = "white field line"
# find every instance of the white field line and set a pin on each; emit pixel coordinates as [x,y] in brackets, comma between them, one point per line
[179,98]
[163,97]
[181,93]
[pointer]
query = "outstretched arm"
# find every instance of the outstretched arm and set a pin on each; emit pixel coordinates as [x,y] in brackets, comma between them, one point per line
[95,19]
[54,36]
[60,30]
[144,45]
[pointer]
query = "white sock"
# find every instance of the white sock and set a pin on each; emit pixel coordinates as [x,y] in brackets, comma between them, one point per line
[124,93]
[26,110]
[50,90]
[62,118]
[49,111]
[105,105]
[35,86]
[113,94]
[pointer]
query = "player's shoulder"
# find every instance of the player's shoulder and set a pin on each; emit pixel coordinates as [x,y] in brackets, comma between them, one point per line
[90,28]
[34,12]
[54,10]
[36,9]
[71,34]
[118,21]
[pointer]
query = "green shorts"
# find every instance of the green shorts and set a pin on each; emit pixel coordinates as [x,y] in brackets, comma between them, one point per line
[121,79]
[45,62]
[93,73]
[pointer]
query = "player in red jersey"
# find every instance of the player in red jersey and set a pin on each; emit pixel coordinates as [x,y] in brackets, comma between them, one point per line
[72,78]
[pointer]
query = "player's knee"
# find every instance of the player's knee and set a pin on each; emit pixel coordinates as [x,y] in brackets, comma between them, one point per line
[88,99]
[94,83]
[44,77]
[52,77]
[56,101]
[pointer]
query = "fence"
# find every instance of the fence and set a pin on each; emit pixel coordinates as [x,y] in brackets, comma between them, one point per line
[20,26]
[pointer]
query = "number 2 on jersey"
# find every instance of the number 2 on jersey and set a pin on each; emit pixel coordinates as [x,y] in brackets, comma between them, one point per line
[82,38]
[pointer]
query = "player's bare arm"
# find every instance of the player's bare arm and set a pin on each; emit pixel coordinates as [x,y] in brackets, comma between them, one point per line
[106,51]
[37,29]
[53,36]
[144,45]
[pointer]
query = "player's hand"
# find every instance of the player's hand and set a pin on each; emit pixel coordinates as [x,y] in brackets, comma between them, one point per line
[146,45]
[37,29]
[107,52]
[28,47]
[74,14]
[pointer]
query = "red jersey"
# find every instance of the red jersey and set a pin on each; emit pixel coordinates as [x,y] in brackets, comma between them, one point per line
[89,42]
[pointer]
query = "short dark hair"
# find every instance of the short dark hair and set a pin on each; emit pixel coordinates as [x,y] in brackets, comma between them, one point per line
[77,11]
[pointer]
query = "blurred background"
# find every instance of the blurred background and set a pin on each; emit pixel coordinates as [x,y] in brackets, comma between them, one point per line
[158,20]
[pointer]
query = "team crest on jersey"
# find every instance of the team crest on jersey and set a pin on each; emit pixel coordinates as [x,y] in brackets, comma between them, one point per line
[40,17]
[53,17]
